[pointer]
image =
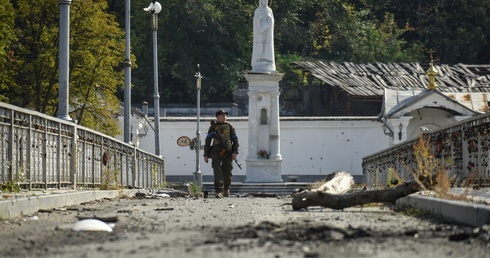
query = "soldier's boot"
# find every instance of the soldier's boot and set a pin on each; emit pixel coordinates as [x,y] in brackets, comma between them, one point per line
[226,193]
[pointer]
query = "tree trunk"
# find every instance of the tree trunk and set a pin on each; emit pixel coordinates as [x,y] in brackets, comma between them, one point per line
[319,198]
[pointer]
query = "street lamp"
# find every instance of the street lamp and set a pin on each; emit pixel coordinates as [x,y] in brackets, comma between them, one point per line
[127,73]
[64,59]
[198,174]
[400,127]
[155,8]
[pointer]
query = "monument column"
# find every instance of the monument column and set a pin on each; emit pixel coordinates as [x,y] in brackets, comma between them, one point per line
[263,133]
[252,125]
[275,128]
[264,154]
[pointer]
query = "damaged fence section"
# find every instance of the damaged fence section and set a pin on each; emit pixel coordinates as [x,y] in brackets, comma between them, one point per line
[40,152]
[462,150]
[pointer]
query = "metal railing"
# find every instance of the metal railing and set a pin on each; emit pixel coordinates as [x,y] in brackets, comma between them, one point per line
[462,150]
[40,152]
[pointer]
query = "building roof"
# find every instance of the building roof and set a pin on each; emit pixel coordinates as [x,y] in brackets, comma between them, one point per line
[397,103]
[371,79]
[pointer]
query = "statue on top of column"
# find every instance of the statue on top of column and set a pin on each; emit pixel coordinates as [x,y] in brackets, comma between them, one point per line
[263,40]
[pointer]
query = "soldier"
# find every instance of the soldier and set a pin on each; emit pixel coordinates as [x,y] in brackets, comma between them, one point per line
[223,151]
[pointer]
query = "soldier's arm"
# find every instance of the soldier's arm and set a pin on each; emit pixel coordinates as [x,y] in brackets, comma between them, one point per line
[234,139]
[207,143]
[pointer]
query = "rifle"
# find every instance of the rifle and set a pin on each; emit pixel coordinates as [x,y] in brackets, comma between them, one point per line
[223,151]
[239,165]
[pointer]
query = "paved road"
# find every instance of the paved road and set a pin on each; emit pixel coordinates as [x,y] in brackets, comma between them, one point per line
[236,227]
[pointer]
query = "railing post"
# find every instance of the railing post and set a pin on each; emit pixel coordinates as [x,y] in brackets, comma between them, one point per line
[29,153]
[74,158]
[45,154]
[58,156]
[121,172]
[134,167]
[83,157]
[92,158]
[10,148]
[464,154]
[162,171]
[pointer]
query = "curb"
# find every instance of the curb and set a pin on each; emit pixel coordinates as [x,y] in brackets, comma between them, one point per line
[22,206]
[472,214]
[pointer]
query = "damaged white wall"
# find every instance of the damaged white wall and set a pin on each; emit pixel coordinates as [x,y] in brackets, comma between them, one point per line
[309,145]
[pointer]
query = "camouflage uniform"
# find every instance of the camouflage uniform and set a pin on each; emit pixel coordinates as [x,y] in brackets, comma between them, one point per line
[221,155]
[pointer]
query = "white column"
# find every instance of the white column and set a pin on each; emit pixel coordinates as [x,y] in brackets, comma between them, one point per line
[274,126]
[263,93]
[252,126]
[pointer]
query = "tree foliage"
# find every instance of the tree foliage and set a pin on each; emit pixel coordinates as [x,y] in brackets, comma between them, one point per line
[35,52]
[7,36]
[218,36]
[96,51]
[457,30]
[213,34]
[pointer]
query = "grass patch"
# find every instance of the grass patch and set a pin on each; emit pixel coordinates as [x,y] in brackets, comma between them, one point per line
[194,190]
[432,168]
[413,212]
[16,177]
[109,179]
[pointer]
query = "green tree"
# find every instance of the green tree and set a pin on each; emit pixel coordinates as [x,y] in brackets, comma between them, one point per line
[35,52]
[340,32]
[7,36]
[457,30]
[218,35]
[335,30]
[214,34]
[96,54]
[460,36]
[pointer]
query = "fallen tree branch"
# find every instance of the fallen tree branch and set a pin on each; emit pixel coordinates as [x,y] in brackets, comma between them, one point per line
[310,198]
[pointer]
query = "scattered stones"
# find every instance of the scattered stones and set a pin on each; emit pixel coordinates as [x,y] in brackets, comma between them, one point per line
[250,227]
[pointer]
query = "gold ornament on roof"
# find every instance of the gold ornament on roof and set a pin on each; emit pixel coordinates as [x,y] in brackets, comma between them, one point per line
[432,73]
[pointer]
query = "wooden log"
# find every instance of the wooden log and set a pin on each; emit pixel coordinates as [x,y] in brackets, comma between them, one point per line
[305,199]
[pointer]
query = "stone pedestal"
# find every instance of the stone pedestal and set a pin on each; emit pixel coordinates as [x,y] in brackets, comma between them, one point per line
[263,171]
[263,128]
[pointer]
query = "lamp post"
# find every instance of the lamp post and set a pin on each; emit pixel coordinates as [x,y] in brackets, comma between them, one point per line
[64,58]
[198,174]
[127,74]
[400,134]
[155,8]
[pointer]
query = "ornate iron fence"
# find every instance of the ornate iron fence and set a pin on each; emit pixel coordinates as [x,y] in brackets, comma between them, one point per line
[462,150]
[39,152]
